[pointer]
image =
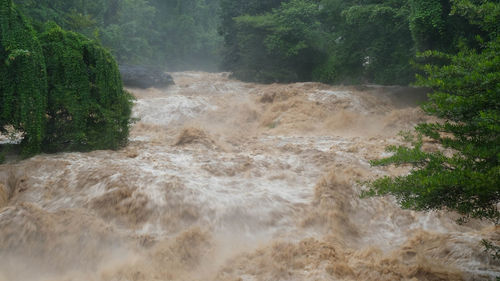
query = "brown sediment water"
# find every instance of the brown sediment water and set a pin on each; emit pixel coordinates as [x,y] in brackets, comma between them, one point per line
[224,180]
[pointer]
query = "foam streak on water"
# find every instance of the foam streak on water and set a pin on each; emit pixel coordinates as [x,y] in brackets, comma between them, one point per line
[224,180]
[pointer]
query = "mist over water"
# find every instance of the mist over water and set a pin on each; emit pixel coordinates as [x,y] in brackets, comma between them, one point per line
[224,180]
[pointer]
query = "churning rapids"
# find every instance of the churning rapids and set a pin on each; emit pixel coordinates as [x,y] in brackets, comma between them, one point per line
[224,180]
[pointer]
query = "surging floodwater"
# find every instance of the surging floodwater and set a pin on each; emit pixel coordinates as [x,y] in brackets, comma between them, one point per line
[224,180]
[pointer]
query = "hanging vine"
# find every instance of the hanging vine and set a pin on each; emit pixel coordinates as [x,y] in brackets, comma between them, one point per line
[87,106]
[23,81]
[62,90]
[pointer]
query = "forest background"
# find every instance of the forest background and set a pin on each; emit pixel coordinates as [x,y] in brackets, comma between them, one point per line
[172,34]
[331,41]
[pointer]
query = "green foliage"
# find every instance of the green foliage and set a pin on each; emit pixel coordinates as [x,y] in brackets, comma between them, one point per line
[187,33]
[443,25]
[61,90]
[130,35]
[240,55]
[77,15]
[329,41]
[278,46]
[296,36]
[346,41]
[484,16]
[372,43]
[466,96]
[23,82]
[178,34]
[87,106]
[491,249]
[428,23]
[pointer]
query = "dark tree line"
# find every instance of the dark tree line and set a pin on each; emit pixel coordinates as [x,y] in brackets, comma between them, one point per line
[338,41]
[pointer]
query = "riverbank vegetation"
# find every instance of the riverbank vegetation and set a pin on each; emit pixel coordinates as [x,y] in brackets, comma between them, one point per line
[60,89]
[338,41]
[466,98]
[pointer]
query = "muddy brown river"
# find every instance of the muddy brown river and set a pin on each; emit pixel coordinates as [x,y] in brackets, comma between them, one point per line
[224,180]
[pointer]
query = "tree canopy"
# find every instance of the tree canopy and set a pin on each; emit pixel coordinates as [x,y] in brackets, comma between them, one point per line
[62,90]
[23,79]
[464,175]
[175,34]
[337,41]
[87,107]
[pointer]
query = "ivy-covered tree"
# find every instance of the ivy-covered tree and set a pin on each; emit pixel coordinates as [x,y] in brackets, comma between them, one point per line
[466,177]
[23,81]
[62,90]
[87,106]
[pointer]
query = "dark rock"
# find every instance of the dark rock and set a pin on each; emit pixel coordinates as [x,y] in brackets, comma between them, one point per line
[144,77]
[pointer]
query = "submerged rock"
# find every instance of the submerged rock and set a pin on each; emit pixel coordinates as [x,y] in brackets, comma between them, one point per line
[144,77]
